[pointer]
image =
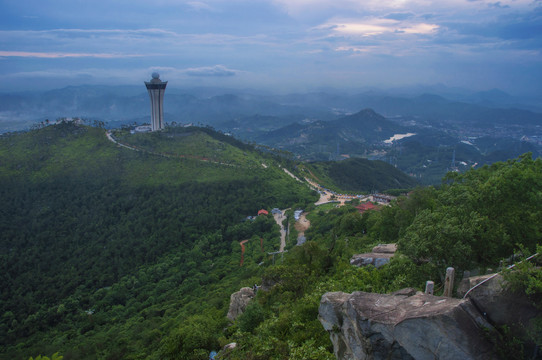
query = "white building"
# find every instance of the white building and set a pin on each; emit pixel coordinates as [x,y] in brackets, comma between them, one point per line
[156,89]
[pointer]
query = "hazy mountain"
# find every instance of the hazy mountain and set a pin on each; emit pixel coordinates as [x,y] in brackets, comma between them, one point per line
[364,127]
[215,106]
[432,149]
[314,126]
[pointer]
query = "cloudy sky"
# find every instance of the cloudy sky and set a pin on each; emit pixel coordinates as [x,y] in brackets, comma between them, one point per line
[284,45]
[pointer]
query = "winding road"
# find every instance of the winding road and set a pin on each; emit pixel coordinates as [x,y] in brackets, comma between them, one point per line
[301,225]
[279,218]
[193,157]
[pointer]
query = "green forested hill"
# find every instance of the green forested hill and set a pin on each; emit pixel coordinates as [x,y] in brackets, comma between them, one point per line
[111,253]
[483,219]
[362,175]
[104,249]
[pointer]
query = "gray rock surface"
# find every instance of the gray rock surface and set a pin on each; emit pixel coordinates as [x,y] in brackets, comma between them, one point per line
[500,305]
[385,248]
[226,350]
[239,302]
[403,326]
[375,259]
[380,255]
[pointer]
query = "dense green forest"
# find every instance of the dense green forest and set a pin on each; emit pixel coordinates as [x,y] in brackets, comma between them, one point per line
[112,253]
[104,249]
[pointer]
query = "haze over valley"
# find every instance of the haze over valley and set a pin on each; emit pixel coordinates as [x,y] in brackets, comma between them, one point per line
[457,130]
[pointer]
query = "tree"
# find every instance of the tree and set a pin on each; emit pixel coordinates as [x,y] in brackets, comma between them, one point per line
[55,356]
[479,217]
[252,317]
[436,237]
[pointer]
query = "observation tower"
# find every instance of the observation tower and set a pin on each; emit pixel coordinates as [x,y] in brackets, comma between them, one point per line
[156,89]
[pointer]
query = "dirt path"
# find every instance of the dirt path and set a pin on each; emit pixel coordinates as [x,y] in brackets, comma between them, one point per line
[302,225]
[242,243]
[111,138]
[292,175]
[278,219]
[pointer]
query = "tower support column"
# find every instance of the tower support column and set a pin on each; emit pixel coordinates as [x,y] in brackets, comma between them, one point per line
[156,89]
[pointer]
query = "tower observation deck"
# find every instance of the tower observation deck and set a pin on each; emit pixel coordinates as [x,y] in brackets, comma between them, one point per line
[156,89]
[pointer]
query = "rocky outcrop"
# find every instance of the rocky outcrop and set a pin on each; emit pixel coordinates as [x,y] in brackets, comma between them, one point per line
[226,350]
[404,325]
[385,249]
[380,255]
[493,298]
[239,302]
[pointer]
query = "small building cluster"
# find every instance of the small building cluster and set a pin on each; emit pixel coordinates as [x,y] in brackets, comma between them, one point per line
[382,198]
[141,129]
[260,212]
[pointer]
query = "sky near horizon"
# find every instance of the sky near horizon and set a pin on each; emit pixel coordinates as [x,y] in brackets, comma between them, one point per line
[282,45]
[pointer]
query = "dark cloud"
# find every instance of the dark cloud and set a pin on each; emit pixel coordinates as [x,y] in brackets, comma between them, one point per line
[276,42]
[526,26]
[522,26]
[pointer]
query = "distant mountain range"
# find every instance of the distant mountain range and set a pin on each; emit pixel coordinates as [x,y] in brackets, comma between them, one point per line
[229,109]
[426,151]
[454,131]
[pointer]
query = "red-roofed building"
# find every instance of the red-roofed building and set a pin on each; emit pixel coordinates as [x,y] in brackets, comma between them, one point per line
[365,207]
[263,212]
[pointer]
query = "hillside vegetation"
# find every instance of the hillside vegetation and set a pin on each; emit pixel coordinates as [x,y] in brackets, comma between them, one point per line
[113,253]
[104,249]
[474,221]
[360,175]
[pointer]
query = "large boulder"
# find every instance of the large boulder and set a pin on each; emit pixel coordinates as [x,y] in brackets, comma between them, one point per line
[380,255]
[495,300]
[375,259]
[404,326]
[239,302]
[385,248]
